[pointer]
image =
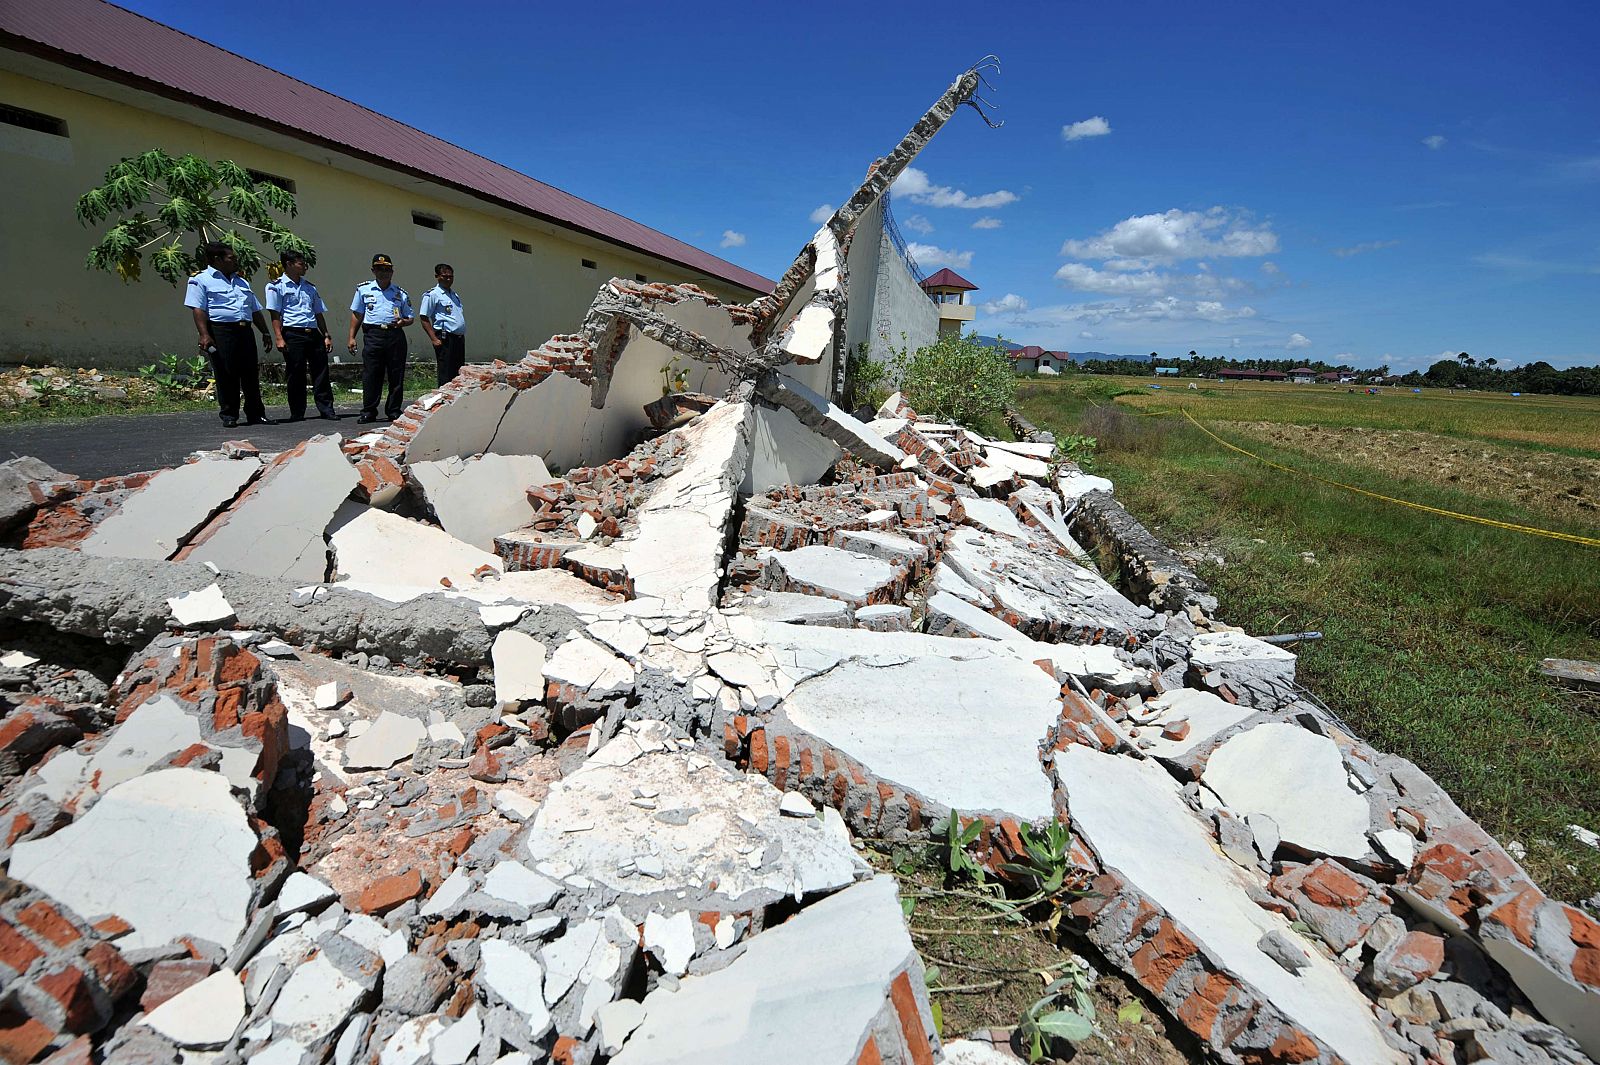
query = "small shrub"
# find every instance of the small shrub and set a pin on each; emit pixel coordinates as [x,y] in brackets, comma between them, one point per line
[956,379]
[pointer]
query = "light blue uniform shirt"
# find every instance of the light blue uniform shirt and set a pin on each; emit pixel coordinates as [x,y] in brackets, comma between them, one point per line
[381,306]
[298,303]
[442,307]
[222,299]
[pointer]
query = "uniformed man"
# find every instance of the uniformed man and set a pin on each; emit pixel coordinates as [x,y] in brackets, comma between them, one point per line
[383,310]
[445,323]
[224,306]
[301,335]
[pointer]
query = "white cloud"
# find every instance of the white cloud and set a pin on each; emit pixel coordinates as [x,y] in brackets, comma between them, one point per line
[1298,340]
[987,223]
[1176,235]
[730,239]
[1005,307]
[1434,141]
[1089,127]
[1085,334]
[929,256]
[1234,343]
[822,213]
[1125,282]
[914,185]
[918,224]
[1365,246]
[1269,267]
[1163,309]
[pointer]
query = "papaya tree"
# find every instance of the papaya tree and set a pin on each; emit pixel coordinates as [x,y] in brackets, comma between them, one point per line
[169,208]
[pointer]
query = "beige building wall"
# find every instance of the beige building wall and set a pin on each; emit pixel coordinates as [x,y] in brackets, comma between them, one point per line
[58,311]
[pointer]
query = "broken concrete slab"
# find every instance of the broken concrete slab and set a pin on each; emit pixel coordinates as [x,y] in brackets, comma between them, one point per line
[820,415]
[1298,779]
[372,547]
[1207,716]
[783,977]
[204,1015]
[1261,674]
[795,608]
[958,721]
[1129,812]
[480,498]
[784,451]
[174,833]
[158,519]
[847,576]
[390,739]
[276,528]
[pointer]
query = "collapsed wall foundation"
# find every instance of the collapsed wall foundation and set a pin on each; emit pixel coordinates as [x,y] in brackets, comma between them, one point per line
[495,738]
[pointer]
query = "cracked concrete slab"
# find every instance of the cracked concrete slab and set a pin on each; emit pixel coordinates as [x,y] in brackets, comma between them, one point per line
[159,518]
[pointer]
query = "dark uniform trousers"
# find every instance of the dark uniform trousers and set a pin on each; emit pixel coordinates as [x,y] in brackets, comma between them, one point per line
[303,350]
[383,354]
[450,356]
[237,369]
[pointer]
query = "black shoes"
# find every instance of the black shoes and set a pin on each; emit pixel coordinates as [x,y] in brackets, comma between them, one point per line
[366,419]
[261,421]
[230,423]
[328,415]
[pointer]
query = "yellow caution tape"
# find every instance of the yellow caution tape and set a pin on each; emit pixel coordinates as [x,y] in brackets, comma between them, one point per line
[1570,538]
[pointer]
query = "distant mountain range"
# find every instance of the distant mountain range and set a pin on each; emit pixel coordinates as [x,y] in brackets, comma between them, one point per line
[1076,356]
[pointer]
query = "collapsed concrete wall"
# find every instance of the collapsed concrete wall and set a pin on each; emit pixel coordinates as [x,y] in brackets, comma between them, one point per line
[366,790]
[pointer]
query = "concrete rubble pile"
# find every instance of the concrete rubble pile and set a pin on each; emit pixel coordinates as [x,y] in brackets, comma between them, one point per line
[491,739]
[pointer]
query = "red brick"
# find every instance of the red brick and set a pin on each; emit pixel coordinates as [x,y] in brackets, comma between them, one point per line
[758,751]
[457,845]
[16,952]
[116,976]
[1519,914]
[383,895]
[70,988]
[1200,1009]
[1329,885]
[112,927]
[46,922]
[76,1052]
[22,1038]
[869,1053]
[1155,962]
[905,1005]
[168,978]
[780,767]
[1585,934]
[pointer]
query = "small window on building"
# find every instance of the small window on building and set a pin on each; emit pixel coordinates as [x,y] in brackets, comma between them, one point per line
[261,177]
[21,116]
[523,246]
[588,264]
[426,221]
[641,278]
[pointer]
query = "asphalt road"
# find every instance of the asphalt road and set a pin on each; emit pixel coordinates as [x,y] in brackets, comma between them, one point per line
[92,448]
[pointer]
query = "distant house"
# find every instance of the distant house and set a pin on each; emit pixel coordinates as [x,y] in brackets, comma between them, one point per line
[1251,375]
[1302,375]
[1335,377]
[1033,359]
[1166,371]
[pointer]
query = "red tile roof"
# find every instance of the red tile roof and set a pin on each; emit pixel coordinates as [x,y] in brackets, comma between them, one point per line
[1262,375]
[110,42]
[1302,369]
[948,278]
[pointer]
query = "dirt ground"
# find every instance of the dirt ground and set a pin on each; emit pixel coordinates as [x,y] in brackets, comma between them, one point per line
[1563,486]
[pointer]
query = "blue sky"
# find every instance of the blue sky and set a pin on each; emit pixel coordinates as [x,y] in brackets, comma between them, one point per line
[1355,182]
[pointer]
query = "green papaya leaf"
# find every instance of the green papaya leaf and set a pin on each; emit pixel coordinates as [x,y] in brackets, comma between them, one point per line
[1065,1024]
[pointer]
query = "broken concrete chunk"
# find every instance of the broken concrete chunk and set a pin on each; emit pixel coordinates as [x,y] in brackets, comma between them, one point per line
[277,527]
[1261,674]
[1130,813]
[828,571]
[671,940]
[206,608]
[373,548]
[171,834]
[391,738]
[783,974]
[205,1015]
[518,670]
[332,695]
[517,980]
[817,413]
[158,519]
[303,892]
[477,499]
[589,668]
[1298,779]
[316,1000]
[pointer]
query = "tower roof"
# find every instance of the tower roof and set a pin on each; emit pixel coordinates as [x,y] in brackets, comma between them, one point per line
[948,278]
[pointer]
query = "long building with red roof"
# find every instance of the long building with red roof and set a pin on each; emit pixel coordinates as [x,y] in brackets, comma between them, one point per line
[84,83]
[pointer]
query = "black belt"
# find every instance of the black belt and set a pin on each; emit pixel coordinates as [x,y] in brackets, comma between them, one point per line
[245,325]
[300,329]
[368,328]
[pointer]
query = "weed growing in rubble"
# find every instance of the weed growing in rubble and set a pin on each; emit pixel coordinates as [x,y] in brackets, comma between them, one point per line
[1073,1022]
[173,375]
[951,848]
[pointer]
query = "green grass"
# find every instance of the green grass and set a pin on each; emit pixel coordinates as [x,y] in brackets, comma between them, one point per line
[1433,628]
[1568,424]
[65,408]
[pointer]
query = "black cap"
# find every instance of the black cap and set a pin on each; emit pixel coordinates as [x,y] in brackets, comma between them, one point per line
[381,259]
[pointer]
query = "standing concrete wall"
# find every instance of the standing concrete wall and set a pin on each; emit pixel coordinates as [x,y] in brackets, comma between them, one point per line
[888,309]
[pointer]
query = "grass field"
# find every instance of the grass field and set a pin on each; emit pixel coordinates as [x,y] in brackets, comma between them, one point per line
[1434,628]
